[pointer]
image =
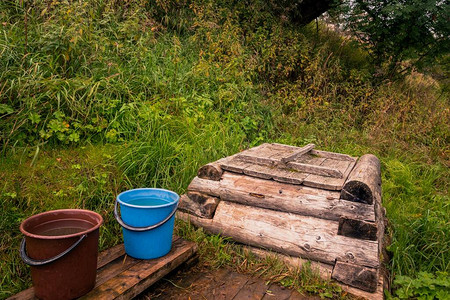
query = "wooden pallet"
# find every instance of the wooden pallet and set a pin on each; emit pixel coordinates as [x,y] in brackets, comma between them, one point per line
[122,277]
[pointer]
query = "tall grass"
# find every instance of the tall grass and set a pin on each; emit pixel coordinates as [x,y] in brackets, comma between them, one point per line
[141,93]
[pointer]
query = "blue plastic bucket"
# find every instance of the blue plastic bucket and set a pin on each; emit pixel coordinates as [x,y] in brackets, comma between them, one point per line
[147,217]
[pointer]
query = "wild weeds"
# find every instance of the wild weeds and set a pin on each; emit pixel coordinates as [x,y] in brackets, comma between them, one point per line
[163,87]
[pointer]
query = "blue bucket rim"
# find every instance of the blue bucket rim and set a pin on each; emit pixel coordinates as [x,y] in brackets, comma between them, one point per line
[146,206]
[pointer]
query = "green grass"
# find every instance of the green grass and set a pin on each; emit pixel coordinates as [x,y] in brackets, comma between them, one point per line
[102,96]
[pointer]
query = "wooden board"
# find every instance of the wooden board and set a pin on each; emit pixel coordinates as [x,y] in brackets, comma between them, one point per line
[303,236]
[198,204]
[288,164]
[283,197]
[331,183]
[122,277]
[325,272]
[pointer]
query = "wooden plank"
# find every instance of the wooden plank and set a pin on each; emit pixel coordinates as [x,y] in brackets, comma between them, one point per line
[275,291]
[310,160]
[260,155]
[363,181]
[110,262]
[316,170]
[254,288]
[235,165]
[357,276]
[134,280]
[333,155]
[213,170]
[265,172]
[114,268]
[286,176]
[331,183]
[323,270]
[298,153]
[109,255]
[288,198]
[259,171]
[291,234]
[231,284]
[27,294]
[205,186]
[358,229]
[199,204]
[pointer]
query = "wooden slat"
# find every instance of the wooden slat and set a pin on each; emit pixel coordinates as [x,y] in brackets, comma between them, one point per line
[358,229]
[323,270]
[110,262]
[316,170]
[259,171]
[235,165]
[199,204]
[286,176]
[284,197]
[229,286]
[357,276]
[330,183]
[275,291]
[254,288]
[137,278]
[333,155]
[291,234]
[209,187]
[260,155]
[298,153]
[109,255]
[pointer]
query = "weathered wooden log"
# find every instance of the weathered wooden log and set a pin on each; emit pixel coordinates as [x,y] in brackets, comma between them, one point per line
[198,204]
[213,170]
[358,229]
[205,186]
[283,197]
[291,234]
[358,276]
[364,180]
[324,272]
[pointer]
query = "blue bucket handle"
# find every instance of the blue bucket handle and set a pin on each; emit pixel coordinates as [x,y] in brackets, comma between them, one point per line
[35,262]
[147,228]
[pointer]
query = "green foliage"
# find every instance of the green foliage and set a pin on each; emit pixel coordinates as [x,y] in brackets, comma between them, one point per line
[400,30]
[101,96]
[425,286]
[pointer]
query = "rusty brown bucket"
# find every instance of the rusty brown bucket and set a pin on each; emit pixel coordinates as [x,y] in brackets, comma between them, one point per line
[61,246]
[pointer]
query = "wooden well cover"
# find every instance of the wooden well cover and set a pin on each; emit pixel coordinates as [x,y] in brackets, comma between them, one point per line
[299,201]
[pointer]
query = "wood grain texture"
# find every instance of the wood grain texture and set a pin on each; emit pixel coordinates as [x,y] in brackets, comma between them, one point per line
[324,271]
[283,197]
[303,236]
[199,204]
[331,183]
[110,263]
[358,229]
[364,181]
[298,153]
[361,277]
[137,278]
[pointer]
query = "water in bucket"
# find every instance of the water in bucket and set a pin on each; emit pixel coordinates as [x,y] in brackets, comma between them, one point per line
[147,218]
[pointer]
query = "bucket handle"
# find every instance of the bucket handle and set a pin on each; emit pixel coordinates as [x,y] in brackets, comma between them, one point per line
[132,228]
[35,262]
